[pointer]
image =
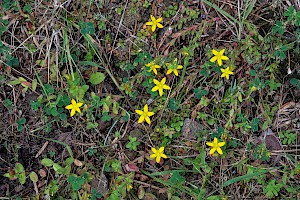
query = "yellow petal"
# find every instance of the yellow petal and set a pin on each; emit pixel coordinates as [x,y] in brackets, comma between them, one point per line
[154,71]
[153,156]
[219,150]
[78,110]
[161,149]
[73,102]
[176,72]
[213,59]
[220,144]
[179,67]
[140,112]
[69,107]
[159,19]
[209,144]
[222,51]
[163,81]
[141,119]
[156,82]
[215,52]
[72,112]
[223,70]
[158,159]
[224,58]
[164,156]
[155,88]
[227,76]
[220,62]
[147,119]
[150,114]
[153,150]
[149,23]
[215,140]
[153,27]
[79,104]
[223,75]
[166,87]
[152,18]
[212,151]
[159,25]
[160,91]
[169,71]
[146,108]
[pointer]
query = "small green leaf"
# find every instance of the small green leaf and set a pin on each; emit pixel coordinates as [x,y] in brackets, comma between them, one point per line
[96,78]
[86,27]
[177,178]
[69,161]
[57,167]
[19,168]
[199,93]
[21,177]
[47,162]
[33,177]
[34,84]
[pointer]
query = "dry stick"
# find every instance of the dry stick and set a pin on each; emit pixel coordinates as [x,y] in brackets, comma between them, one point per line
[147,184]
[117,31]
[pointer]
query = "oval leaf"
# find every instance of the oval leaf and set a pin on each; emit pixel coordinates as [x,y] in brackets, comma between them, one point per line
[33,177]
[96,78]
[47,162]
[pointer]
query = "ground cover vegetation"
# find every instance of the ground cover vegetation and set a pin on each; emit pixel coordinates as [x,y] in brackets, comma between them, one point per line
[149,99]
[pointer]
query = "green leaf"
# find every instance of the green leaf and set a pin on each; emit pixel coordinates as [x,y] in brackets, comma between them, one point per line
[295,81]
[21,177]
[244,177]
[177,178]
[47,162]
[19,168]
[272,189]
[27,8]
[278,27]
[96,78]
[48,89]
[33,177]
[69,161]
[86,27]
[57,167]
[75,182]
[8,104]
[290,12]
[105,117]
[173,104]
[199,93]
[116,165]
[115,108]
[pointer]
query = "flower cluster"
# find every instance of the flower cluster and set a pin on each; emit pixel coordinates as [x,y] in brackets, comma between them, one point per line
[219,57]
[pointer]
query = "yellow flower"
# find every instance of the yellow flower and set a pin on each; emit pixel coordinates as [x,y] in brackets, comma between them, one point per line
[226,72]
[154,23]
[173,67]
[74,107]
[153,67]
[253,88]
[145,114]
[160,86]
[215,146]
[218,56]
[129,187]
[158,154]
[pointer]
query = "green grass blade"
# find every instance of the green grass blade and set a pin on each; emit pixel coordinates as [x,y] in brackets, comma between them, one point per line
[226,14]
[244,177]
